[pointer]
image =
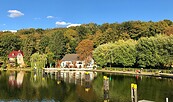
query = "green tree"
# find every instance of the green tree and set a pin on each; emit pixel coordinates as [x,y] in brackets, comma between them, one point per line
[102,54]
[38,60]
[121,53]
[155,51]
[72,40]
[29,48]
[108,36]
[50,58]
[57,44]
[97,38]
[8,43]
[124,53]
[39,31]
[44,42]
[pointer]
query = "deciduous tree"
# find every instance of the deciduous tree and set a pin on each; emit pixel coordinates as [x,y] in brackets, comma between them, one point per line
[85,48]
[57,44]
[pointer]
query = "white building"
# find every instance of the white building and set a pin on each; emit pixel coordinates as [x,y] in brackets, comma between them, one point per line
[73,61]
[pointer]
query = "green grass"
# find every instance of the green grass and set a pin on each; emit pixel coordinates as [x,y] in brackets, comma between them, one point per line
[134,69]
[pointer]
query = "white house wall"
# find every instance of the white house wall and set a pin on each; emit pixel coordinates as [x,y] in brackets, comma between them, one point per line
[64,63]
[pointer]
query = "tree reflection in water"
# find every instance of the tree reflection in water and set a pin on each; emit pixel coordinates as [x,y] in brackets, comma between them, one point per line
[77,86]
[38,79]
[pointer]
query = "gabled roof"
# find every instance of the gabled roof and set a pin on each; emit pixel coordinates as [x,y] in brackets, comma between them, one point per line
[71,57]
[14,54]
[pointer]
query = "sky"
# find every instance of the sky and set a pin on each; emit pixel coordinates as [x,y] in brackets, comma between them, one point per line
[47,14]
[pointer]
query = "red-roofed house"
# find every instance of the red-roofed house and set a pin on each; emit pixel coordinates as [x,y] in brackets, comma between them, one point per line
[16,55]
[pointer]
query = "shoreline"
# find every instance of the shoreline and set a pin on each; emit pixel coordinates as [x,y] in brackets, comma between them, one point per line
[16,69]
[166,75]
[153,74]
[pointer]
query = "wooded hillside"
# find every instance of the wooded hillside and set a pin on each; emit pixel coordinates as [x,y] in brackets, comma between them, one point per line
[125,36]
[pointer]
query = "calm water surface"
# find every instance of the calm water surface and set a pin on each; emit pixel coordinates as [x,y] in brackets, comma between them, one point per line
[77,87]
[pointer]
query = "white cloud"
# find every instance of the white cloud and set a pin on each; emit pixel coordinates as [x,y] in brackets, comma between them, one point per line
[15,13]
[73,25]
[50,17]
[62,23]
[66,24]
[13,31]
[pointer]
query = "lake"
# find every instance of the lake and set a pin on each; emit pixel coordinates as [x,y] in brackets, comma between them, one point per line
[80,86]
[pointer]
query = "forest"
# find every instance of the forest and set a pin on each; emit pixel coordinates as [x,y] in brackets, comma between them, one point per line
[126,44]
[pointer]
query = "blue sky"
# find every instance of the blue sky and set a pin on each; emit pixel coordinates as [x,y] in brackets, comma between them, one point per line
[22,14]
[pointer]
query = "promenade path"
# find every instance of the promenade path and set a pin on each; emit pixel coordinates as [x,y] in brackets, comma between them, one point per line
[136,73]
[102,70]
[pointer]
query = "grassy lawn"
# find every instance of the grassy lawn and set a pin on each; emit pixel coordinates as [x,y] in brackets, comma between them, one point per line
[139,69]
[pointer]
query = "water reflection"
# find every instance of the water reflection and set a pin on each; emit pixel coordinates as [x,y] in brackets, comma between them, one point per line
[87,81]
[37,79]
[12,79]
[106,95]
[16,81]
[106,88]
[20,76]
[79,83]
[76,77]
[81,86]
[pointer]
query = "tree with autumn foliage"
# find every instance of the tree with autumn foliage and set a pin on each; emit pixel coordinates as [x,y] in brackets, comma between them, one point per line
[169,31]
[84,49]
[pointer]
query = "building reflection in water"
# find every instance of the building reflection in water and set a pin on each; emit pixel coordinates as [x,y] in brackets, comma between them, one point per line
[81,79]
[12,79]
[76,77]
[16,81]
[20,76]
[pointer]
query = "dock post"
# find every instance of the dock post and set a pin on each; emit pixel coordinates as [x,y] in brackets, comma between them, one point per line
[87,81]
[134,92]
[87,76]
[166,99]
[58,76]
[106,88]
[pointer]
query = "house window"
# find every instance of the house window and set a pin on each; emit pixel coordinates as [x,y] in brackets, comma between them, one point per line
[79,62]
[19,54]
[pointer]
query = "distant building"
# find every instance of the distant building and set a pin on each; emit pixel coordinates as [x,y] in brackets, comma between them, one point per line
[73,61]
[16,56]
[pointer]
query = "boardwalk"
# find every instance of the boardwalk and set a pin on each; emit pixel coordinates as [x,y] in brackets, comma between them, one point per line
[67,69]
[166,75]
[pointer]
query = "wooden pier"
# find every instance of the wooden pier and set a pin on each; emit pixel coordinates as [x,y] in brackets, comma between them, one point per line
[66,69]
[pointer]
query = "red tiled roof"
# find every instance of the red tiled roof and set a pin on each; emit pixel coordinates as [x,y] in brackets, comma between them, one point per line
[14,54]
